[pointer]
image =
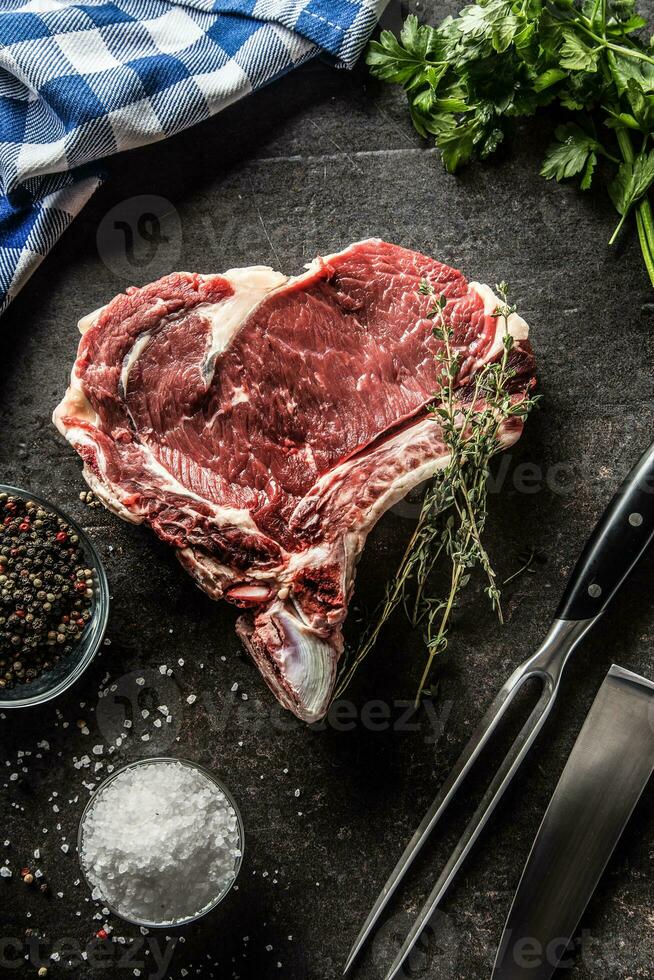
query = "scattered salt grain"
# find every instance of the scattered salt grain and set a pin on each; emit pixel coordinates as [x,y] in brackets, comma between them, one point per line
[191,699]
[160,842]
[140,681]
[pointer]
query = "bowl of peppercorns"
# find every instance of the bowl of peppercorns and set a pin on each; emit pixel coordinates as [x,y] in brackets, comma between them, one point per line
[54,600]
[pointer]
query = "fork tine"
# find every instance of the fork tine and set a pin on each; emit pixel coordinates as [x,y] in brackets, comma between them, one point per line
[460,770]
[493,795]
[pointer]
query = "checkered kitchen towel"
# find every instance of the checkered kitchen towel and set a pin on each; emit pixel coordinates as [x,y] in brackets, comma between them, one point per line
[82,80]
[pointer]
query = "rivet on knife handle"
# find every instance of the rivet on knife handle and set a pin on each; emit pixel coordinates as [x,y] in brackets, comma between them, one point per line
[619,539]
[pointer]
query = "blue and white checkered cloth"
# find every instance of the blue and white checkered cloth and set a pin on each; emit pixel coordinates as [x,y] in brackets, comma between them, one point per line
[80,81]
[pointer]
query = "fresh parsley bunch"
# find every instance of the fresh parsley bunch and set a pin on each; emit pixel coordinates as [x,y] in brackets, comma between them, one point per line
[504,58]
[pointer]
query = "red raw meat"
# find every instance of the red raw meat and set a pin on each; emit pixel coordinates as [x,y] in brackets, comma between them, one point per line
[262,424]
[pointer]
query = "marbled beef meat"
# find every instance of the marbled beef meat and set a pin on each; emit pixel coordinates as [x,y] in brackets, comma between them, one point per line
[262,424]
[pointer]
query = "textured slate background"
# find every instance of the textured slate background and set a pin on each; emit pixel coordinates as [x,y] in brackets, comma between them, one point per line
[313,162]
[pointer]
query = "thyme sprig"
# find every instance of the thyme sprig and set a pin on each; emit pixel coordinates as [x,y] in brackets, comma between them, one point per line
[454,509]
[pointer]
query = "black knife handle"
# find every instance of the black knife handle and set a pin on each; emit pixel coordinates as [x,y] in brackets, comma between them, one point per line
[620,537]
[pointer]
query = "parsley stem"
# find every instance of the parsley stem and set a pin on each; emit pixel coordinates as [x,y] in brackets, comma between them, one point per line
[644,219]
[618,229]
[619,48]
[645,238]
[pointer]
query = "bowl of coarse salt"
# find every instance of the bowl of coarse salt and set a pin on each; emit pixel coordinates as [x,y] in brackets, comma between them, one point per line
[161,842]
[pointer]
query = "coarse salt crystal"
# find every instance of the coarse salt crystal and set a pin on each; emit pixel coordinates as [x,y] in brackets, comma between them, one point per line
[191,699]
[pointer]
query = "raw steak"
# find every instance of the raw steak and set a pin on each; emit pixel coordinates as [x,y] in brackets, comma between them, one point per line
[262,424]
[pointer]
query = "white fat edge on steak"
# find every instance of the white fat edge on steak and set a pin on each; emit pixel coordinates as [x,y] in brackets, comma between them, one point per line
[110,495]
[322,260]
[515,325]
[251,286]
[75,404]
[130,359]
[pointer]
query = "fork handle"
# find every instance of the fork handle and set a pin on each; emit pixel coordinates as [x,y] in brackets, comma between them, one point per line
[619,539]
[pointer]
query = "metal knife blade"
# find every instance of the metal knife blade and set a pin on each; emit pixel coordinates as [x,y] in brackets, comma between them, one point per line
[603,780]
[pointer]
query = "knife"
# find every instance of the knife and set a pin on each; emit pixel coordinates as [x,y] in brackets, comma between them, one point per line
[603,780]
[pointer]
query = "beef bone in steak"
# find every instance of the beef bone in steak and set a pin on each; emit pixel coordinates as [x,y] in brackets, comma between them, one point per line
[262,424]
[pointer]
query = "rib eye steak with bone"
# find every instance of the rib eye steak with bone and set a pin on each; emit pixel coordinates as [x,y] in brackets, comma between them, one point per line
[262,424]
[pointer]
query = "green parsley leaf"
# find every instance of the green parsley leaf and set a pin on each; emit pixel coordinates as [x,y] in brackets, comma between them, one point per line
[632,181]
[411,63]
[475,135]
[574,152]
[631,68]
[575,54]
[642,105]
[548,78]
[421,40]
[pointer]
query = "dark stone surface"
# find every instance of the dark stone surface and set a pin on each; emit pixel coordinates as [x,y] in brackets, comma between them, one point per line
[317,160]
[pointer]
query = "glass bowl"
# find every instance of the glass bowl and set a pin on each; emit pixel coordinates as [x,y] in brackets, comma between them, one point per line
[67,670]
[158,760]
